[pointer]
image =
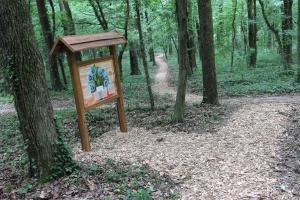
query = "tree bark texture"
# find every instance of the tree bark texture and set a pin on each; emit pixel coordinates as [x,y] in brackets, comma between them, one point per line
[134,62]
[23,61]
[49,41]
[210,93]
[182,17]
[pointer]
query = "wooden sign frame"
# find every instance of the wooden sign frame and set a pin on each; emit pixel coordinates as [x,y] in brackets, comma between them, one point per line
[76,82]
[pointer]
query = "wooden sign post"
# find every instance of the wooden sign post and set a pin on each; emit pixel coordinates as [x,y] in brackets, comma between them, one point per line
[95,82]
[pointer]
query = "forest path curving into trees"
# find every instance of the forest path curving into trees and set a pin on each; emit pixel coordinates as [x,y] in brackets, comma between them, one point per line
[246,158]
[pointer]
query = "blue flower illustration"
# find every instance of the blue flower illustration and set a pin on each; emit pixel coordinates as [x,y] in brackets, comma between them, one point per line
[93,70]
[106,83]
[92,87]
[90,77]
[100,71]
[105,74]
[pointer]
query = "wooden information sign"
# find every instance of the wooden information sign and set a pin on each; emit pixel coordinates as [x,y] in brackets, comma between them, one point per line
[95,82]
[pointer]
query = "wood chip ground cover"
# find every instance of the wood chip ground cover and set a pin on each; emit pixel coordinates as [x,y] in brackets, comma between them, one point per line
[247,148]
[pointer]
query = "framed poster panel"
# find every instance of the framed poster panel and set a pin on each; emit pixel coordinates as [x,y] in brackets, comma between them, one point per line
[98,82]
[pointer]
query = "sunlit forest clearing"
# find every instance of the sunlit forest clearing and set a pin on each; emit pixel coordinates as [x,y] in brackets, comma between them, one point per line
[149,99]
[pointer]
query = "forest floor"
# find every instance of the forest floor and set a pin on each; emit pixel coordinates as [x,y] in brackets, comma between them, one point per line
[246,148]
[252,154]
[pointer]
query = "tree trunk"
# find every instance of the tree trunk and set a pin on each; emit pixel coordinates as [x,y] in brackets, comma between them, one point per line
[252,32]
[121,53]
[182,17]
[68,22]
[134,62]
[220,27]
[48,38]
[170,48]
[149,31]
[210,93]
[98,11]
[199,39]
[143,52]
[191,43]
[270,41]
[298,43]
[287,27]
[28,85]
[233,39]
[276,34]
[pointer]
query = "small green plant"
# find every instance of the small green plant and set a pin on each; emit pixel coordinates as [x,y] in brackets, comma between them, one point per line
[140,194]
[65,165]
[25,188]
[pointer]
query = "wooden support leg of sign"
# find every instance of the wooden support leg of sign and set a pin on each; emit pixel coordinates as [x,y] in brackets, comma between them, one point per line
[120,100]
[85,140]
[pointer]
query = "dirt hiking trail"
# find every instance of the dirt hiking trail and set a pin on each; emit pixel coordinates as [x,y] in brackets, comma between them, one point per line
[242,160]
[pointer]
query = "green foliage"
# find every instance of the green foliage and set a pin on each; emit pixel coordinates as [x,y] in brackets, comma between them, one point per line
[25,188]
[140,194]
[63,162]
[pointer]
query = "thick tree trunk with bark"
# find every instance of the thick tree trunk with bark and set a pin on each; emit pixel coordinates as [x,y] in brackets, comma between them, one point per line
[287,27]
[27,80]
[210,93]
[252,32]
[134,62]
[49,41]
[143,52]
[182,17]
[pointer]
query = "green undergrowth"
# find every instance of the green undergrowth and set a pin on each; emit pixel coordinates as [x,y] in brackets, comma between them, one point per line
[267,78]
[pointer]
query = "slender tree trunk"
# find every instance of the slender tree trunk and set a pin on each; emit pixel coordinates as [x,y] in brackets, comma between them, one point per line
[68,22]
[244,32]
[170,48]
[220,27]
[210,93]
[143,52]
[287,27]
[233,41]
[182,17]
[62,68]
[191,42]
[298,43]
[276,34]
[49,41]
[149,31]
[199,39]
[98,11]
[27,81]
[270,40]
[252,33]
[134,62]
[121,53]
